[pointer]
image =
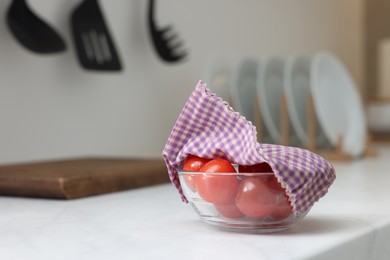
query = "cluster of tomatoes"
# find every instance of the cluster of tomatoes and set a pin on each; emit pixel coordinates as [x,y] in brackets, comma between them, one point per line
[236,196]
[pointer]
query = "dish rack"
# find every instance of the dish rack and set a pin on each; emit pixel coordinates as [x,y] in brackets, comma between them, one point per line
[335,154]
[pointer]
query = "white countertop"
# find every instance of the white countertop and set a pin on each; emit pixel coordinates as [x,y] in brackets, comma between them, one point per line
[351,222]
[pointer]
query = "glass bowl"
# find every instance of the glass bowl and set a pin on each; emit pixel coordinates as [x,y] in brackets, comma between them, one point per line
[249,202]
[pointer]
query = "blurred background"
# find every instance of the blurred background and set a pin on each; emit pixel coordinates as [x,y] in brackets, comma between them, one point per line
[51,107]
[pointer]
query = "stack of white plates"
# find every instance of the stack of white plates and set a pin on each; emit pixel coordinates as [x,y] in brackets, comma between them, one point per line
[337,102]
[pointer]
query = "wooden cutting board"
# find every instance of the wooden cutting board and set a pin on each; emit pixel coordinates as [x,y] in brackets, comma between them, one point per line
[76,178]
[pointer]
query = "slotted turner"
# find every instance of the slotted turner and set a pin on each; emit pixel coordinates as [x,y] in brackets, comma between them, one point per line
[93,42]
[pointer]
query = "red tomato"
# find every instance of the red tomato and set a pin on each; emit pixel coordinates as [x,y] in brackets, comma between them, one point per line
[218,189]
[274,184]
[283,208]
[260,167]
[193,163]
[229,210]
[254,198]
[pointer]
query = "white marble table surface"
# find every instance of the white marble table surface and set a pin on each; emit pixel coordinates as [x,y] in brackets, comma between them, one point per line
[351,222]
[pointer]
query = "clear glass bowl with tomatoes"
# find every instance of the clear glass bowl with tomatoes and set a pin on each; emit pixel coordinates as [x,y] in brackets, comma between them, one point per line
[235,197]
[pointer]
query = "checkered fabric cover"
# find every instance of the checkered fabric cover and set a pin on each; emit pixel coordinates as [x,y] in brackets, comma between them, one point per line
[208,127]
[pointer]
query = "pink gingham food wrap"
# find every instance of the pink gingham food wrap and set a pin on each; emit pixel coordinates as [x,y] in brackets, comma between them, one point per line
[208,127]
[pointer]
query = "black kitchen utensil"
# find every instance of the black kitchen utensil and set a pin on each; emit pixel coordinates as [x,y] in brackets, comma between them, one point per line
[94,44]
[31,31]
[164,41]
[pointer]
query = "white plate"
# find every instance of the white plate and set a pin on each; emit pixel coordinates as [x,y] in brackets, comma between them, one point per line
[243,89]
[270,89]
[218,77]
[297,90]
[338,104]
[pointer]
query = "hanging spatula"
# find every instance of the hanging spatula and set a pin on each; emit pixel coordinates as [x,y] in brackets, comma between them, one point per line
[165,42]
[31,31]
[93,42]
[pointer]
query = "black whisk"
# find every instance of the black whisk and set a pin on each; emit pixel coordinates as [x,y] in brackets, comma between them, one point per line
[165,42]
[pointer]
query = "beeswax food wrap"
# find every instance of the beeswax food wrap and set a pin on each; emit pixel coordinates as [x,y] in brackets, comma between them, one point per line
[208,127]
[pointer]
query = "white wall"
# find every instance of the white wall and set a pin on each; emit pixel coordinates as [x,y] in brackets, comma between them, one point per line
[51,108]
